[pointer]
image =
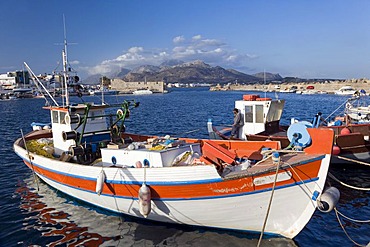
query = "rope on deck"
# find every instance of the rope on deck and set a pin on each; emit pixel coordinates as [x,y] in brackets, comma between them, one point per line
[353,160]
[347,185]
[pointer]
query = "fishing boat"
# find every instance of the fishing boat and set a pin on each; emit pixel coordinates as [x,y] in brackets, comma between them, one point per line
[346,90]
[261,121]
[213,183]
[251,186]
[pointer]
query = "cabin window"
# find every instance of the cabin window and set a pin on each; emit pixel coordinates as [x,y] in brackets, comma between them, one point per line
[62,117]
[259,113]
[248,116]
[54,116]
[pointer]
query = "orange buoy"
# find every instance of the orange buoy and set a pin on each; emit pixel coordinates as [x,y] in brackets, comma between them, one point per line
[336,150]
[345,131]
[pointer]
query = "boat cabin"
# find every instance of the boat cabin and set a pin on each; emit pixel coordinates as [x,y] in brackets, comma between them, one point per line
[67,122]
[259,114]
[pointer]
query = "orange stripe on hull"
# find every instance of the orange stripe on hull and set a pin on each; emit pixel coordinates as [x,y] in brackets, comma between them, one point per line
[230,187]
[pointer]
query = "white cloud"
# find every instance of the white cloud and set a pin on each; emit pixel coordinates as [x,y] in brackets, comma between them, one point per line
[197,37]
[135,49]
[75,62]
[178,39]
[212,51]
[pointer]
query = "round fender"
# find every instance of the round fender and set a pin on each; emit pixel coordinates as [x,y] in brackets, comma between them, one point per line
[328,200]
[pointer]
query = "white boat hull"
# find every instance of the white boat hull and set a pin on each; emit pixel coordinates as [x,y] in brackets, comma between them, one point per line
[291,209]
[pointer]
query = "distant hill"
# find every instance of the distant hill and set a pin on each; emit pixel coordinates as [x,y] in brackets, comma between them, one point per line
[176,71]
[268,76]
[190,72]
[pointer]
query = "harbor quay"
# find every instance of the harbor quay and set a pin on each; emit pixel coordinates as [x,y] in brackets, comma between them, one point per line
[329,86]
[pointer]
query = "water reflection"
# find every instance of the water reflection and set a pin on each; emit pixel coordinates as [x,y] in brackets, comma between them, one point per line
[60,220]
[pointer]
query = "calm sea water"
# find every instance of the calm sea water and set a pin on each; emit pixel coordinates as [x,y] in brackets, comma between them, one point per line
[46,217]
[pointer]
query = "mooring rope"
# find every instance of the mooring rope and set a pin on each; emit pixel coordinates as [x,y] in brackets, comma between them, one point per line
[347,185]
[351,219]
[353,160]
[269,205]
[344,230]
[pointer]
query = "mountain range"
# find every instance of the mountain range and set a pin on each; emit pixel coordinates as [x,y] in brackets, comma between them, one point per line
[176,71]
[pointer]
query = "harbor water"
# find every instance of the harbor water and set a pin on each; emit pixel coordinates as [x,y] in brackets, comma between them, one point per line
[34,214]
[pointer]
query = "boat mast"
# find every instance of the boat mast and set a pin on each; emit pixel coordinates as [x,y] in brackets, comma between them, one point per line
[65,64]
[102,90]
[264,81]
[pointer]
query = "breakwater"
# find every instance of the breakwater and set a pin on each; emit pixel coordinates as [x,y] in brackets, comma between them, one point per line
[329,86]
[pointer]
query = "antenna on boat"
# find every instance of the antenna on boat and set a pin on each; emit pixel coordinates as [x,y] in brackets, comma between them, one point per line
[66,69]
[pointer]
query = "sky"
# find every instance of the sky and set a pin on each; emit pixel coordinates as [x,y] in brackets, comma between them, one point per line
[304,38]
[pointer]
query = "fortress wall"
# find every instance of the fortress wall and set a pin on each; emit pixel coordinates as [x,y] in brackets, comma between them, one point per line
[129,87]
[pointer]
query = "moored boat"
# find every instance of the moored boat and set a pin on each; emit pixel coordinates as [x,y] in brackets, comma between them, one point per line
[346,90]
[262,122]
[226,184]
[185,181]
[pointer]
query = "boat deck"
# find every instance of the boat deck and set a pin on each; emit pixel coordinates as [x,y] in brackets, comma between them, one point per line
[287,160]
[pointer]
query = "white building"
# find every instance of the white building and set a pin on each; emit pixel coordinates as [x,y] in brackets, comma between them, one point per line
[15,79]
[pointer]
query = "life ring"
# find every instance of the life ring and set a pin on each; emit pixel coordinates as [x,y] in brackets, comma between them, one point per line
[119,113]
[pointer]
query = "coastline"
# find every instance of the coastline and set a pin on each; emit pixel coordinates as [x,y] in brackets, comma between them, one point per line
[329,86]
